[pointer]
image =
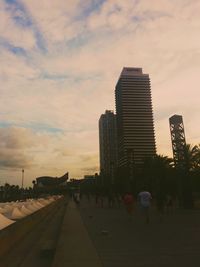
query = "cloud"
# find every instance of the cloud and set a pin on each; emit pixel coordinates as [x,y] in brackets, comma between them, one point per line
[13,32]
[20,138]
[20,147]
[10,159]
[13,145]
[55,19]
[17,146]
[43,152]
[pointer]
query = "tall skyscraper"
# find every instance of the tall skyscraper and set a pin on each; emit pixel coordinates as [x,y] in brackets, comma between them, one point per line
[135,127]
[108,145]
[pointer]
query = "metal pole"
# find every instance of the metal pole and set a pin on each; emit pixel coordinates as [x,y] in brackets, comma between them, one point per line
[22,178]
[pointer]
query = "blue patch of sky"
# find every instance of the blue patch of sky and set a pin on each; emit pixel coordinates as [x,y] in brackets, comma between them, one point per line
[41,127]
[93,7]
[24,19]
[16,50]
[36,127]
[4,124]
[70,77]
[41,44]
[11,48]
[148,15]
[136,18]
[19,14]
[94,76]
[10,1]
[78,41]
[48,76]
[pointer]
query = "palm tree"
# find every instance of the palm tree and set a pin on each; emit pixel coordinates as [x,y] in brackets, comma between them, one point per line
[186,174]
[192,157]
[155,172]
[192,171]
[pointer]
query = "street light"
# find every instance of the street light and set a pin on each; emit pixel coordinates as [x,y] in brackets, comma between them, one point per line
[22,178]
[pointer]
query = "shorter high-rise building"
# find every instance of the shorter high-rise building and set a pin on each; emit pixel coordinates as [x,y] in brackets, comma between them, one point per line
[108,145]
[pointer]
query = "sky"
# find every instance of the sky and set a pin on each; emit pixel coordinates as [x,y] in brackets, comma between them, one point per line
[59,64]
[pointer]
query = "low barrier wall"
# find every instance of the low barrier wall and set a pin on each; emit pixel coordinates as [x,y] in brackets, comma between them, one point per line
[12,234]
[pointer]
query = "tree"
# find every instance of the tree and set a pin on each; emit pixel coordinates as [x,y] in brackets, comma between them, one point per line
[191,178]
[192,157]
[155,172]
[186,174]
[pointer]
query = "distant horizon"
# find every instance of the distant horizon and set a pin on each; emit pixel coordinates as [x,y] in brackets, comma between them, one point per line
[59,67]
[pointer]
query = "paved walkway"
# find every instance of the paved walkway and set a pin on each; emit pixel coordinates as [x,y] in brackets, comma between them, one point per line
[90,236]
[75,248]
[124,243]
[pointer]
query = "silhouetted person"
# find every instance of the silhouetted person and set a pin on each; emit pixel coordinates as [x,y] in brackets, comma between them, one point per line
[76,198]
[144,198]
[129,204]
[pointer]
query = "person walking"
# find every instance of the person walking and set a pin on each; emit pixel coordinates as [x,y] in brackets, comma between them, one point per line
[76,197]
[144,198]
[129,204]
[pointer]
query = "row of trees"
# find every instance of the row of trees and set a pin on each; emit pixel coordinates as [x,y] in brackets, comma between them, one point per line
[158,174]
[161,176]
[14,192]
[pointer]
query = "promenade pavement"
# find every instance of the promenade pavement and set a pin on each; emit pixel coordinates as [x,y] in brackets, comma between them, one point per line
[90,236]
[74,247]
[121,242]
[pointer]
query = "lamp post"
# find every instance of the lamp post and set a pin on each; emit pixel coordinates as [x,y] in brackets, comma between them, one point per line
[22,178]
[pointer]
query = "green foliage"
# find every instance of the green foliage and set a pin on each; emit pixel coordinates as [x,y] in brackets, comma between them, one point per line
[156,173]
[192,155]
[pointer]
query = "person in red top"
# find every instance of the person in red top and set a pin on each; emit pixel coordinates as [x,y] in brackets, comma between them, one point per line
[129,203]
